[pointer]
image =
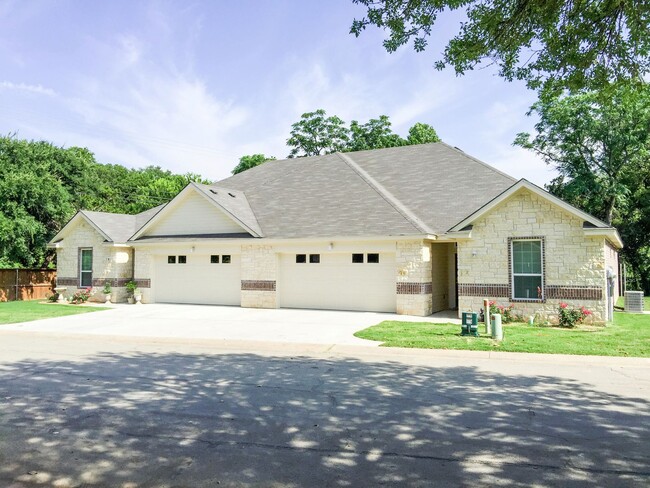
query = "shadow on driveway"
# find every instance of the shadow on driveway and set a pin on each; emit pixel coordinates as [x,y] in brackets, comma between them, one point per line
[125,420]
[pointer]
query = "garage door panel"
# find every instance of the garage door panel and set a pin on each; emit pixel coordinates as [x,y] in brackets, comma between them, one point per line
[198,281]
[338,284]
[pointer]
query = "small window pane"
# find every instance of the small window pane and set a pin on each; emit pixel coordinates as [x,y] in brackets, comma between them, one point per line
[357,258]
[86,279]
[373,258]
[301,258]
[314,258]
[225,259]
[214,259]
[527,287]
[171,259]
[182,259]
[86,260]
[527,257]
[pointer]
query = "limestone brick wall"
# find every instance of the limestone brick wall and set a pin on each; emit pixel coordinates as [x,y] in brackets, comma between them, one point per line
[109,263]
[143,271]
[611,261]
[574,263]
[413,259]
[259,271]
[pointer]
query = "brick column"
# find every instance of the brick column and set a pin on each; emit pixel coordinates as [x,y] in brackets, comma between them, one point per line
[259,269]
[413,280]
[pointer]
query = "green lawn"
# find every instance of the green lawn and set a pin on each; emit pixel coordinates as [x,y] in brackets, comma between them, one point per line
[629,335]
[25,311]
[621,303]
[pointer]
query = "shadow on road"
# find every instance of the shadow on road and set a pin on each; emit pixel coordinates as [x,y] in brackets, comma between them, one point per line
[247,420]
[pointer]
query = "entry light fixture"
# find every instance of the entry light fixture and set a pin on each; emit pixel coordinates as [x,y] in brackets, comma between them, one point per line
[330,246]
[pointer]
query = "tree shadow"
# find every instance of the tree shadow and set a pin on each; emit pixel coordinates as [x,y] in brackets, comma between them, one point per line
[142,419]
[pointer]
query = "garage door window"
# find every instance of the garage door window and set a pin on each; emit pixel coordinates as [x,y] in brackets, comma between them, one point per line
[314,258]
[214,259]
[301,258]
[182,259]
[225,259]
[357,258]
[171,259]
[373,258]
[86,267]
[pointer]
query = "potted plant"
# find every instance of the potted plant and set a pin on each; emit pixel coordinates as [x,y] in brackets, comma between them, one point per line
[107,291]
[137,295]
[131,288]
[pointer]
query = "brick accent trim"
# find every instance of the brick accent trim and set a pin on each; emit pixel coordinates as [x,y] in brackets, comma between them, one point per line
[114,282]
[258,285]
[60,281]
[487,291]
[414,288]
[574,292]
[141,282]
[510,284]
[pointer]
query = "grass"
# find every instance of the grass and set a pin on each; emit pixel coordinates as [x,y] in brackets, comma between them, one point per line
[629,335]
[28,310]
[646,303]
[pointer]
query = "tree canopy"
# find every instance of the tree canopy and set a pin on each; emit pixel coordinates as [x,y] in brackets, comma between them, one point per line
[42,186]
[600,145]
[552,45]
[316,134]
[248,162]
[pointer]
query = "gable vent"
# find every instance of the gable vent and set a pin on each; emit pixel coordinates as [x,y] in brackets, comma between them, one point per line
[231,194]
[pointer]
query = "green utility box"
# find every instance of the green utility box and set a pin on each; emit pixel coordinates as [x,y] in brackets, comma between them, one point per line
[469,325]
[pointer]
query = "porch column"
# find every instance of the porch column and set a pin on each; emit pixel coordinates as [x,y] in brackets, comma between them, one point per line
[259,269]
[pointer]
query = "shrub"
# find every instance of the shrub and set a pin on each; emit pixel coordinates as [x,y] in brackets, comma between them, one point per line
[131,286]
[53,297]
[107,288]
[81,296]
[507,313]
[570,317]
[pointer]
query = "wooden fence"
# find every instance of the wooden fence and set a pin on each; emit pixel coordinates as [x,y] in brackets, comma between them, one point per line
[26,284]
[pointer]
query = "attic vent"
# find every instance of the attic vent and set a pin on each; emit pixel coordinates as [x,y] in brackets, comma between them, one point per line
[213,191]
[231,194]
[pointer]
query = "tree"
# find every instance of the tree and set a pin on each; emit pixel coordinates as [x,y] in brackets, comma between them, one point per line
[374,134]
[422,134]
[552,45]
[248,162]
[316,134]
[600,145]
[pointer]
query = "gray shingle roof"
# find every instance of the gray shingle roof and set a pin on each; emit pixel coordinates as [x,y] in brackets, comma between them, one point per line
[397,191]
[119,227]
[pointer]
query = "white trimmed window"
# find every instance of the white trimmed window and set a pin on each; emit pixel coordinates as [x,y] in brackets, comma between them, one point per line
[527,269]
[85,268]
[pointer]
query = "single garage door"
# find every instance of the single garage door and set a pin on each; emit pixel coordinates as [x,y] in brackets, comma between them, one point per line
[338,281]
[213,279]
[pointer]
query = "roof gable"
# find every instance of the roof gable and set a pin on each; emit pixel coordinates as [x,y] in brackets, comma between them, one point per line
[525,184]
[197,211]
[69,227]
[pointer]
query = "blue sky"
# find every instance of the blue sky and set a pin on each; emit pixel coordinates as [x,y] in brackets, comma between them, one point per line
[192,86]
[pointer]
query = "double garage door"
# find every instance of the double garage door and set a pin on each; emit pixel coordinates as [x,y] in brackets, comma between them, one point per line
[335,282]
[197,278]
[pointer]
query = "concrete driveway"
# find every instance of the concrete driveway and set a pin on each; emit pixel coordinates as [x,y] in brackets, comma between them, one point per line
[222,323]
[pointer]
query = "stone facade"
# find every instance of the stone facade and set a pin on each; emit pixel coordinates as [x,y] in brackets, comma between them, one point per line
[259,271]
[142,273]
[574,264]
[110,263]
[414,278]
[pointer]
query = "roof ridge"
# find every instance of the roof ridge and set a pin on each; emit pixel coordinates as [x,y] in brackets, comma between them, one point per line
[483,163]
[391,199]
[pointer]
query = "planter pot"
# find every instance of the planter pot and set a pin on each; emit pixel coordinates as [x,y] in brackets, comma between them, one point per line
[137,299]
[131,300]
[108,298]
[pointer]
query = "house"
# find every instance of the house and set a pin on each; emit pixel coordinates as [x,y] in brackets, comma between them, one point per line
[411,230]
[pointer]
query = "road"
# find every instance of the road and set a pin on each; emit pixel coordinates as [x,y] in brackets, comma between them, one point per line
[88,410]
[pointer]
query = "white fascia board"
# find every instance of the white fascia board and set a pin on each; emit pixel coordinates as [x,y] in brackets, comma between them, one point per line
[525,184]
[271,241]
[610,233]
[462,235]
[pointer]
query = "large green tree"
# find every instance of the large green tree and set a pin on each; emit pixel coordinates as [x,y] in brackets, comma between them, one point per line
[600,144]
[248,162]
[422,134]
[374,134]
[316,133]
[551,44]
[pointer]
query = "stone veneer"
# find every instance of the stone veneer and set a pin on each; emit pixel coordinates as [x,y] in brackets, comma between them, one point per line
[112,264]
[413,278]
[574,263]
[259,271]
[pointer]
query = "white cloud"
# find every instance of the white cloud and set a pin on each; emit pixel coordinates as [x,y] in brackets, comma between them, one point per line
[24,87]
